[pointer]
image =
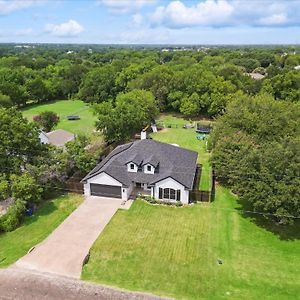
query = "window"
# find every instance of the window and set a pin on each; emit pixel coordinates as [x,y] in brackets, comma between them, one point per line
[131,166]
[178,195]
[160,192]
[166,193]
[149,168]
[172,194]
[169,194]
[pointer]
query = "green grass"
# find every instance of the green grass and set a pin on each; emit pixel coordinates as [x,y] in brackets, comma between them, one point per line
[64,108]
[36,228]
[173,252]
[186,138]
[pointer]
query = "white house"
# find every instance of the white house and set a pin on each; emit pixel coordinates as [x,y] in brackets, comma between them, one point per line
[164,171]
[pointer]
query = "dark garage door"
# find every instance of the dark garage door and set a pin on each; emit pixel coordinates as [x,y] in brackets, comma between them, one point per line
[105,190]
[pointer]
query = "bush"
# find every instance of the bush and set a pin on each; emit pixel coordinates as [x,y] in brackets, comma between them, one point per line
[25,188]
[12,219]
[47,120]
[4,187]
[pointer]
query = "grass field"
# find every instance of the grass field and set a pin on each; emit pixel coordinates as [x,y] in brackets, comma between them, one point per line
[174,251]
[64,108]
[186,138]
[36,228]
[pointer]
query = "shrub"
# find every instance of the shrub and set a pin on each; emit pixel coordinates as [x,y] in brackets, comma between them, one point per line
[25,188]
[12,219]
[4,187]
[47,120]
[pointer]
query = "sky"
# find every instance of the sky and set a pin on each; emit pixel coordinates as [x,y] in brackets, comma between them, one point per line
[150,21]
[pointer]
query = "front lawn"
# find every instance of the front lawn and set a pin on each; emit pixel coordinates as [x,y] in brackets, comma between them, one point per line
[185,138]
[36,228]
[174,252]
[64,108]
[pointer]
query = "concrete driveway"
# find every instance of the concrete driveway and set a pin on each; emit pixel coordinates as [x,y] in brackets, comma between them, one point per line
[64,251]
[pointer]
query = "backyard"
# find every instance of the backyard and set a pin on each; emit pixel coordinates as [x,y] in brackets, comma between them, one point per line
[36,228]
[65,108]
[203,251]
[185,138]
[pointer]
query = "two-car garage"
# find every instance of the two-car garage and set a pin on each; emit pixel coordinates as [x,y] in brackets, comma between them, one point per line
[103,190]
[104,185]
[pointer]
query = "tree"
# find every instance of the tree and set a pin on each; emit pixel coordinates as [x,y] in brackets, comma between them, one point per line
[131,112]
[79,156]
[5,101]
[98,85]
[25,188]
[256,151]
[190,105]
[37,89]
[47,120]
[20,144]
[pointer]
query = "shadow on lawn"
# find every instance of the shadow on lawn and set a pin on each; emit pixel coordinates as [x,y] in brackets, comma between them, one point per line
[47,208]
[284,232]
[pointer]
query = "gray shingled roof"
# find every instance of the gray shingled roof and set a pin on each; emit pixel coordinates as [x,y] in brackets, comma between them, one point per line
[172,161]
[60,137]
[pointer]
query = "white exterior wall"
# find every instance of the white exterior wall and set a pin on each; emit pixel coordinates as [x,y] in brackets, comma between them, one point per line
[43,138]
[104,178]
[172,184]
[132,170]
[148,172]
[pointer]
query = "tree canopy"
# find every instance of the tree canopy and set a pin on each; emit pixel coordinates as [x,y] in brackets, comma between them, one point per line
[129,114]
[256,151]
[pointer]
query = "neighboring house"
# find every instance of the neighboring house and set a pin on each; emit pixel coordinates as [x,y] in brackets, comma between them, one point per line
[43,137]
[164,171]
[57,137]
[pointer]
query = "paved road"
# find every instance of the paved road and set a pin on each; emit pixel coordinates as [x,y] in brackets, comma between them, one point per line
[64,251]
[19,284]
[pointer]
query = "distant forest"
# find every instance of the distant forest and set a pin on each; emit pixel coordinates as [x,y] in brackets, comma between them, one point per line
[192,80]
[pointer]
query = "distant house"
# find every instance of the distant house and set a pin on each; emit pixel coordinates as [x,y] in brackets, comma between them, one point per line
[164,171]
[57,137]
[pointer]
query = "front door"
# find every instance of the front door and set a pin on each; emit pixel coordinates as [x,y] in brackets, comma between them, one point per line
[138,184]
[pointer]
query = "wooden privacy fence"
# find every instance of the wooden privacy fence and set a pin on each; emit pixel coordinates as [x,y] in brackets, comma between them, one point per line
[74,185]
[199,195]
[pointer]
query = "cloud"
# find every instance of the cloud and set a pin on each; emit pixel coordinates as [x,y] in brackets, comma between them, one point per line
[215,13]
[67,29]
[177,14]
[275,19]
[9,6]
[125,6]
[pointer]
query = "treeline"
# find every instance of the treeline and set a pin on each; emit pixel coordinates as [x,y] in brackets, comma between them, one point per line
[192,82]
[256,151]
